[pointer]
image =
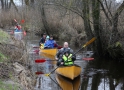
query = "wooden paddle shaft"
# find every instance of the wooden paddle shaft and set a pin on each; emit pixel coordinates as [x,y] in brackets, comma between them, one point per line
[89,42]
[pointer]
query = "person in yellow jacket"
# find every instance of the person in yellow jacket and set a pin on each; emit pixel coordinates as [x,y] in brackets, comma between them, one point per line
[67,59]
[42,44]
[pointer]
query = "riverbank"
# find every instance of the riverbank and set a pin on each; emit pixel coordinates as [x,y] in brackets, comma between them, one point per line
[14,71]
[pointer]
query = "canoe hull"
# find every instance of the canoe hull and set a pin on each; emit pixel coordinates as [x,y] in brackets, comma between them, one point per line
[49,51]
[18,35]
[18,32]
[68,84]
[70,72]
[51,57]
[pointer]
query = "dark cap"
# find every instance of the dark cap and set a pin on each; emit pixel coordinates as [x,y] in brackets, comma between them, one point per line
[67,51]
[51,36]
[44,33]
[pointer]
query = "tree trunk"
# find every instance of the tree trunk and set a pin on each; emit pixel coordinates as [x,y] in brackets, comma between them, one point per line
[95,82]
[27,2]
[2,4]
[14,5]
[115,34]
[111,83]
[5,5]
[86,19]
[84,84]
[44,20]
[32,3]
[96,26]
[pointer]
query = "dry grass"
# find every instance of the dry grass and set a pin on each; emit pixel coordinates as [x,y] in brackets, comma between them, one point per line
[5,71]
[14,54]
[63,24]
[60,21]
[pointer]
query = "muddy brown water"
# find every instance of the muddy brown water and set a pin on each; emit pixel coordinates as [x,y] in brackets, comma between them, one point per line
[96,75]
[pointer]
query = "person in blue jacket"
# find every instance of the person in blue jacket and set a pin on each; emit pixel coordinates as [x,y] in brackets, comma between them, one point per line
[49,43]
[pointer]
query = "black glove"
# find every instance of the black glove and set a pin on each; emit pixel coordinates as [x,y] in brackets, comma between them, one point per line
[74,57]
[59,62]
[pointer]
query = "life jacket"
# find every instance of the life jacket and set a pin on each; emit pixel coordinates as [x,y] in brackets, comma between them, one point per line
[19,27]
[68,60]
[41,46]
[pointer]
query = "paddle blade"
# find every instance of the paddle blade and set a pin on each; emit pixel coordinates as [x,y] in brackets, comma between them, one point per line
[47,74]
[22,21]
[37,51]
[38,73]
[24,33]
[88,59]
[40,61]
[89,42]
[12,32]
[35,46]
[59,47]
[15,20]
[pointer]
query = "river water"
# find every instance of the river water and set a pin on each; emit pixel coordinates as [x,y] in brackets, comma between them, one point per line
[97,74]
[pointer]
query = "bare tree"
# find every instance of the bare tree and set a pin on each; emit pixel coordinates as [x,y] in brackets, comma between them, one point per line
[115,34]
[83,9]
[5,4]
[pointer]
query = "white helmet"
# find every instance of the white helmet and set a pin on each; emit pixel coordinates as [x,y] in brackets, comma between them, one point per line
[47,37]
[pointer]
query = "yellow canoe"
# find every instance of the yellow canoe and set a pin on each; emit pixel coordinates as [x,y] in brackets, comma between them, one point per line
[68,84]
[69,71]
[51,57]
[49,51]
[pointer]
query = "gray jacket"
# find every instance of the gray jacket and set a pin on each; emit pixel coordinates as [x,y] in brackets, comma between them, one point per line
[61,52]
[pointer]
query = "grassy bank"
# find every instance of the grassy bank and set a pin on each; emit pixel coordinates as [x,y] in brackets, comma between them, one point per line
[8,86]
[4,37]
[13,61]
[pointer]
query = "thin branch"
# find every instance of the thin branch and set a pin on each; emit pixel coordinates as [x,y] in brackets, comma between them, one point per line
[120,9]
[71,9]
[106,14]
[108,8]
[14,5]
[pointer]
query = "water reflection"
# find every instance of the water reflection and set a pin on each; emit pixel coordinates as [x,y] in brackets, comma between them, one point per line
[47,56]
[46,83]
[96,75]
[103,75]
[50,83]
[68,84]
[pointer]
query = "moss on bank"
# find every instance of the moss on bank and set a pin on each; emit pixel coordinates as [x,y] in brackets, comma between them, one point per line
[8,86]
[14,51]
[4,37]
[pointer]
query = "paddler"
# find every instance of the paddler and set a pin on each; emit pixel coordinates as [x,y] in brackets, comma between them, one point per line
[43,39]
[65,53]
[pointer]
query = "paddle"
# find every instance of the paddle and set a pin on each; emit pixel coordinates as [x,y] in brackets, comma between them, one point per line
[35,46]
[37,73]
[52,71]
[86,44]
[22,21]
[44,60]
